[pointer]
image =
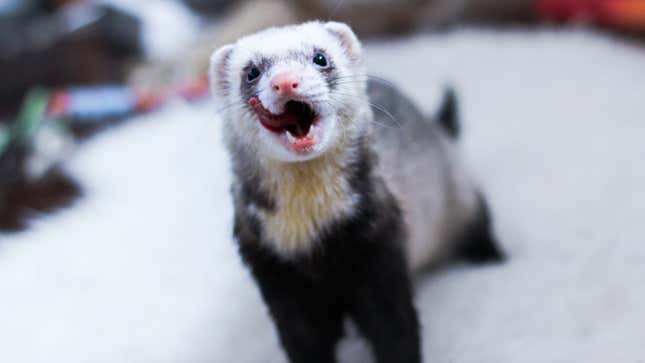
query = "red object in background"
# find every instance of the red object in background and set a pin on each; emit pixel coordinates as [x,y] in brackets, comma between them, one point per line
[628,13]
[564,10]
[58,104]
[624,14]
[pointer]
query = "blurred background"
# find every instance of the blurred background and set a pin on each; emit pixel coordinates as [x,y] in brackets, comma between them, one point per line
[114,209]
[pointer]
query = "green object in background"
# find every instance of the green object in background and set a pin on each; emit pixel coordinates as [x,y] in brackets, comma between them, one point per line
[5,138]
[31,115]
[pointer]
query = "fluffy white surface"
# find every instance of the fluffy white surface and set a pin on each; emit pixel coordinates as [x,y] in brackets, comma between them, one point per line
[143,268]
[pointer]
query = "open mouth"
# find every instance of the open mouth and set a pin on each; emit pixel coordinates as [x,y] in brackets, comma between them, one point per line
[296,119]
[296,127]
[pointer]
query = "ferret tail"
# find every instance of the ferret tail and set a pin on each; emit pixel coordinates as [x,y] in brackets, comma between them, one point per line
[448,116]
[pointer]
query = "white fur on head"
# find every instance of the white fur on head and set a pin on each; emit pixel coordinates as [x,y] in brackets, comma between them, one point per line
[218,69]
[348,39]
[339,104]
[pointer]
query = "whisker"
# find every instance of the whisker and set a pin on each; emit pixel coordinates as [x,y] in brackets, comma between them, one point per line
[379,108]
[229,107]
[359,77]
[383,110]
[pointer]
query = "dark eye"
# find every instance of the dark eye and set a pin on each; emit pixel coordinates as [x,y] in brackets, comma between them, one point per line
[253,73]
[320,60]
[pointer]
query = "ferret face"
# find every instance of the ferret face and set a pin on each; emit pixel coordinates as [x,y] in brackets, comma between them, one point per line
[292,93]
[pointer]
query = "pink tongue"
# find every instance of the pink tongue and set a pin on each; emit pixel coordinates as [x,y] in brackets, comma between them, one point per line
[283,120]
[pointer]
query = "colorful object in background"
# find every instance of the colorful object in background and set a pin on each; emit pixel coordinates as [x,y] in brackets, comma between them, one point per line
[57,43]
[47,141]
[45,133]
[31,148]
[44,128]
[5,137]
[93,102]
[15,134]
[89,104]
[31,115]
[621,14]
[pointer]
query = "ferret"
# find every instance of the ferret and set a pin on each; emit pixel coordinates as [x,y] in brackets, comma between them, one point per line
[333,210]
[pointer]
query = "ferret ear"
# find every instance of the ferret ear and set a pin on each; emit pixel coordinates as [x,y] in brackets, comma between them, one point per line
[219,67]
[347,38]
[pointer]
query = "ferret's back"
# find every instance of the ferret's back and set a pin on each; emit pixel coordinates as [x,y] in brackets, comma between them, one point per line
[420,164]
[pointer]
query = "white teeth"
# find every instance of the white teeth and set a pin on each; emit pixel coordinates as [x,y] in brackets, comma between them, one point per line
[290,137]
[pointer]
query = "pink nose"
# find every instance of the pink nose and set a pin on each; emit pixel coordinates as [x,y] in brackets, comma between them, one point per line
[285,83]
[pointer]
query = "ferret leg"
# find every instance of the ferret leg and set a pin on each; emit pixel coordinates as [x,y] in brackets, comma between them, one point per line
[382,307]
[479,244]
[309,330]
[309,323]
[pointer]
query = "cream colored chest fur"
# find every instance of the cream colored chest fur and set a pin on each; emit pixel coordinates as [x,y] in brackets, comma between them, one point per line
[308,198]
